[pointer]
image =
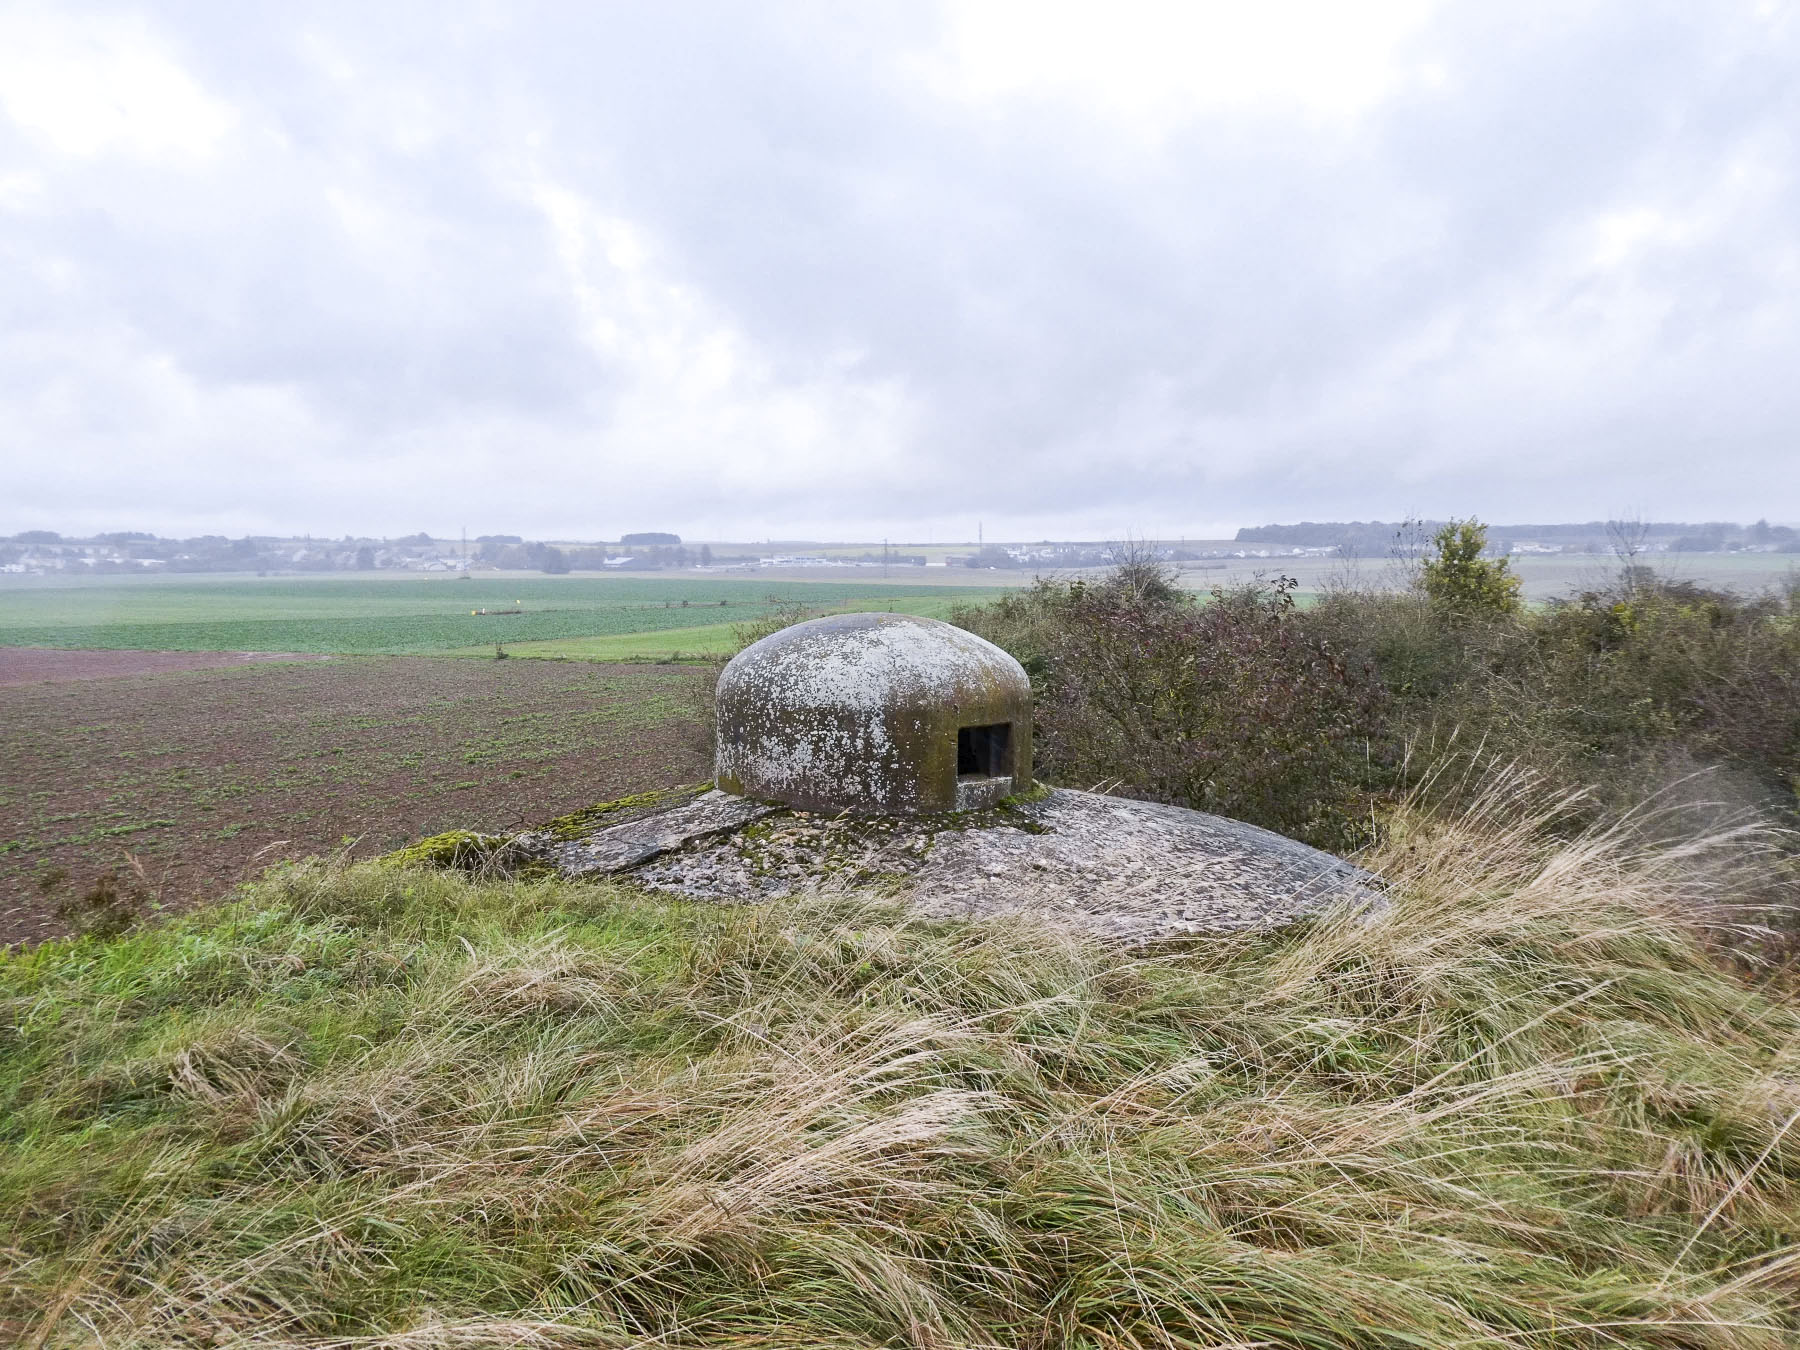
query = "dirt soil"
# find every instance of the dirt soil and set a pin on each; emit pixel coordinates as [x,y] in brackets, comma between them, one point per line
[181,784]
[38,665]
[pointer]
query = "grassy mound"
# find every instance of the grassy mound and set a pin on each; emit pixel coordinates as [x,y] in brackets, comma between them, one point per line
[378,1107]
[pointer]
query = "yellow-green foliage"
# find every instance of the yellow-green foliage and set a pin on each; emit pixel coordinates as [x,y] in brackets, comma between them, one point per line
[492,854]
[1460,582]
[371,1106]
[469,851]
[463,849]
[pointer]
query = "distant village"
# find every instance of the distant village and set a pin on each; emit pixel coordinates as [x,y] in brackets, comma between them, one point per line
[45,551]
[39,552]
[42,552]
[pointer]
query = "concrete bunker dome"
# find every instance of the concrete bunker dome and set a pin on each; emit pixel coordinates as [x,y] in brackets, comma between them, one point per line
[885,714]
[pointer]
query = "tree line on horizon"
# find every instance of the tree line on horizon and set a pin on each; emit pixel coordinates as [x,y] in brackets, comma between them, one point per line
[1408,538]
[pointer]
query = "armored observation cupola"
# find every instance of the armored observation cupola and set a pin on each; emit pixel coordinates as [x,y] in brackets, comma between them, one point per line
[884,714]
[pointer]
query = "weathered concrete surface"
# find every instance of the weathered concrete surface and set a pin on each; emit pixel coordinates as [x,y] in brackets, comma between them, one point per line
[615,848]
[861,712]
[1107,865]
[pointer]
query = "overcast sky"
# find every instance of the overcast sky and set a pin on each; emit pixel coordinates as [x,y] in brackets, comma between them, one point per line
[846,270]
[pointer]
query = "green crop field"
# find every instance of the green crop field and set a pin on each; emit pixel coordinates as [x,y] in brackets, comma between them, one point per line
[413,614]
[717,639]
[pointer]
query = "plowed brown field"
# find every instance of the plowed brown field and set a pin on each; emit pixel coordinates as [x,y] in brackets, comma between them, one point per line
[195,779]
[40,665]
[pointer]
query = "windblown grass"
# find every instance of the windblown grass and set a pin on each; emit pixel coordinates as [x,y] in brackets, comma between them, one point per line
[375,1108]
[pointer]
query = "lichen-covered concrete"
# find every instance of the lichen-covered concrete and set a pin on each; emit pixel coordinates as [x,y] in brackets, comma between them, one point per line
[614,848]
[1108,865]
[861,712]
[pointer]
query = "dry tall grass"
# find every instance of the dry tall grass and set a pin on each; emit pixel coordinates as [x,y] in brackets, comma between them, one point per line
[368,1108]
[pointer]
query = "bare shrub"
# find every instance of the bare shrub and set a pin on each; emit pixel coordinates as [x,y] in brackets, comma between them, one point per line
[1235,707]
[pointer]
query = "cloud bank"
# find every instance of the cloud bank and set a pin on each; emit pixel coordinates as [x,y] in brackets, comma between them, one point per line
[845,271]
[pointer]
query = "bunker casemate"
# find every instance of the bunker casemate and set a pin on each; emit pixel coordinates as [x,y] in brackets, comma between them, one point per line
[875,713]
[893,752]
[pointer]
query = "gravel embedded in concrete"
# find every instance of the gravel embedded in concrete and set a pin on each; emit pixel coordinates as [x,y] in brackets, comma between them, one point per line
[1109,865]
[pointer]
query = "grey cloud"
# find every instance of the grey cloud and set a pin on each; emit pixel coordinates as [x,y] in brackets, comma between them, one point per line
[1258,316]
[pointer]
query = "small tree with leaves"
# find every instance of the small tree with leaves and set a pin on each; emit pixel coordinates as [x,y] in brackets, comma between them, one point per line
[1460,582]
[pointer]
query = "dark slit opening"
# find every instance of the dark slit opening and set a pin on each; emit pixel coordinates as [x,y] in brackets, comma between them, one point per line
[984,752]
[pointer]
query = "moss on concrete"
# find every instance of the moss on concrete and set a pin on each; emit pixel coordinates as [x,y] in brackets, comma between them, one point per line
[829,848]
[839,847]
[580,824]
[462,850]
[833,847]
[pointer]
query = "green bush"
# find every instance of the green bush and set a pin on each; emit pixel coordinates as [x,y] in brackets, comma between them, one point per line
[1460,583]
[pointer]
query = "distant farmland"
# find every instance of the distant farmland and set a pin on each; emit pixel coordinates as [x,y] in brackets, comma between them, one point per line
[193,778]
[202,777]
[378,615]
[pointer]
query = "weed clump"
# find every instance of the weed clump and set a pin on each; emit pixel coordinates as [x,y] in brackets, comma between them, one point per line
[457,850]
[108,906]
